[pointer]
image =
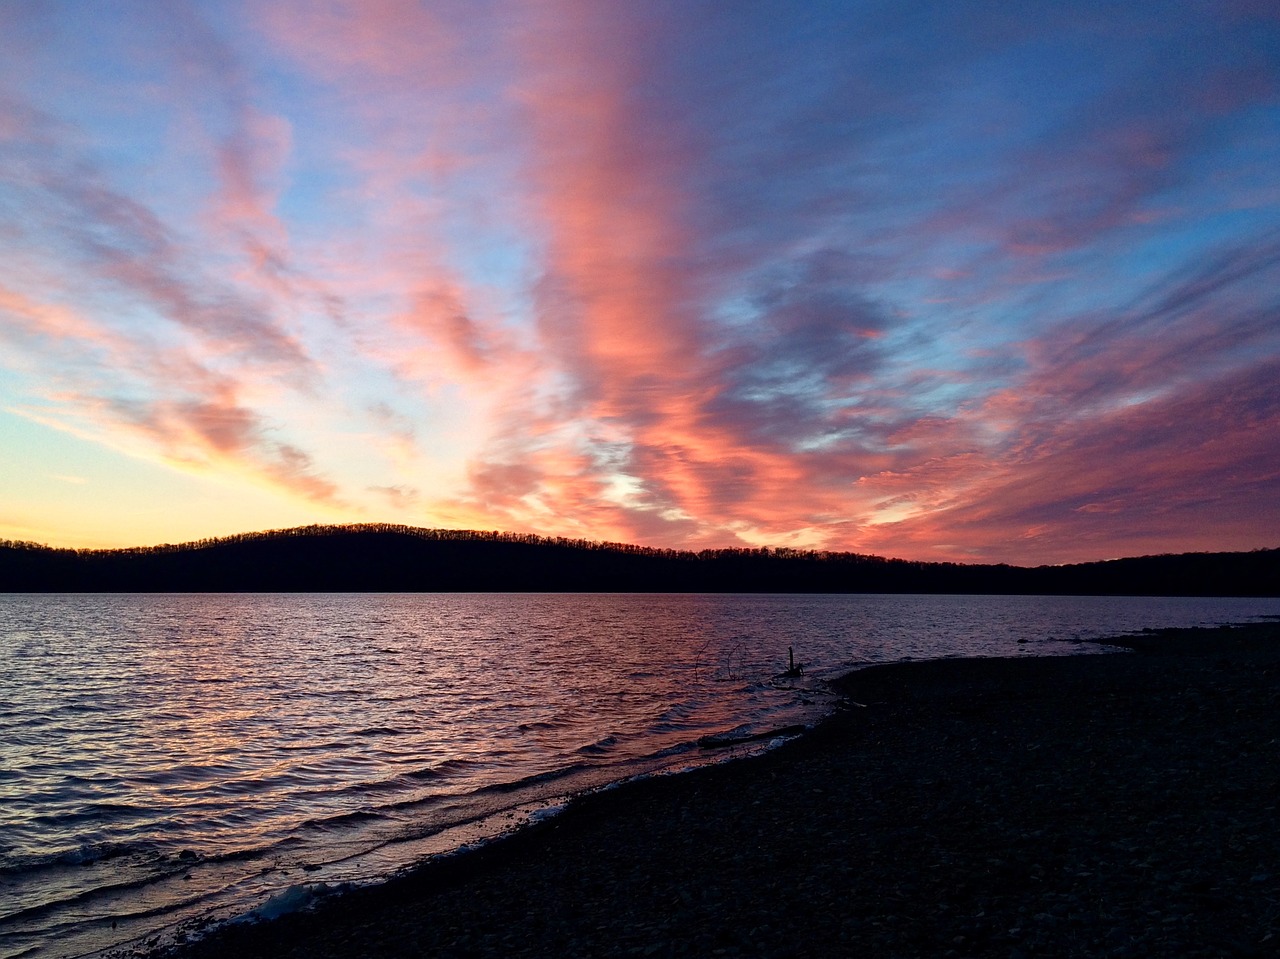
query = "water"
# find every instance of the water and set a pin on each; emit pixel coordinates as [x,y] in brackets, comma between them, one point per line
[169,760]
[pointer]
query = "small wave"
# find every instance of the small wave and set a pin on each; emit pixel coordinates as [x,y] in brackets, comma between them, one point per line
[320,746]
[675,750]
[85,855]
[379,731]
[441,770]
[547,812]
[119,910]
[190,772]
[343,819]
[157,872]
[97,812]
[677,711]
[672,727]
[600,747]
[736,737]
[84,707]
[255,852]
[293,899]
[534,780]
[368,788]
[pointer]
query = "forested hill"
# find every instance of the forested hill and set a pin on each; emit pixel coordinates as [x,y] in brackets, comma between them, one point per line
[407,559]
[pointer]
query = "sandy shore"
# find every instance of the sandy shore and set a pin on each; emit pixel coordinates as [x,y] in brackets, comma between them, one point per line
[1093,806]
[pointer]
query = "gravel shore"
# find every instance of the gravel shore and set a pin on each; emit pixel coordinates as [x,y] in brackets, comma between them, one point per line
[1120,805]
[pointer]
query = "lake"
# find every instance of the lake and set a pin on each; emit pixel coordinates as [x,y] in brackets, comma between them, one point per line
[169,760]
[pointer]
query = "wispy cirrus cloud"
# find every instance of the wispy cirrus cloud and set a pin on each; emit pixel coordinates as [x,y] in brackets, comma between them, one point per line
[178,412]
[136,318]
[1133,475]
[119,247]
[217,429]
[1123,425]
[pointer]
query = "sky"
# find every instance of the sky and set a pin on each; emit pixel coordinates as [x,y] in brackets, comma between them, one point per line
[964,281]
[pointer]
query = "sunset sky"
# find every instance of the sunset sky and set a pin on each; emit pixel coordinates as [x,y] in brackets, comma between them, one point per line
[962,281]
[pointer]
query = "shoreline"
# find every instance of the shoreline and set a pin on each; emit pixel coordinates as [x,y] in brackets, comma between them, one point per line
[1101,805]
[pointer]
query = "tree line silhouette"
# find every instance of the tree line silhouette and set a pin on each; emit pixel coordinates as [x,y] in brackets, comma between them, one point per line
[395,558]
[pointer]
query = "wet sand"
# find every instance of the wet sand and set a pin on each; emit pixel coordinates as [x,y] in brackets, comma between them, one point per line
[1121,805]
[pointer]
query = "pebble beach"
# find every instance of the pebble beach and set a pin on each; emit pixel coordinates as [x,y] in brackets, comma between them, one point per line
[1118,805]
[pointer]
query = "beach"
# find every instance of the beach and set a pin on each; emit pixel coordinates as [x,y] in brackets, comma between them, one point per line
[1119,805]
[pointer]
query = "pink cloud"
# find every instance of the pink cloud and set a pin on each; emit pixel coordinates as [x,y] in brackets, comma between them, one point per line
[209,432]
[33,319]
[620,303]
[191,419]
[1195,468]
[118,244]
[439,312]
[376,38]
[190,416]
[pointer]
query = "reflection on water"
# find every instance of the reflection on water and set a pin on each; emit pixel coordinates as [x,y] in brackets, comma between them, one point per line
[168,756]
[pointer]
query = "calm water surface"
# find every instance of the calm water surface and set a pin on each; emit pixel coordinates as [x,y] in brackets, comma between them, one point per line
[165,760]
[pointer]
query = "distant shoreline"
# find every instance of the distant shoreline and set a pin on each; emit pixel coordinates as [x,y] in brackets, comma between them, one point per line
[1099,805]
[382,558]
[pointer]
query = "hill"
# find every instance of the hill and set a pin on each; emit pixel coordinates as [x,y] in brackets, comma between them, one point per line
[388,558]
